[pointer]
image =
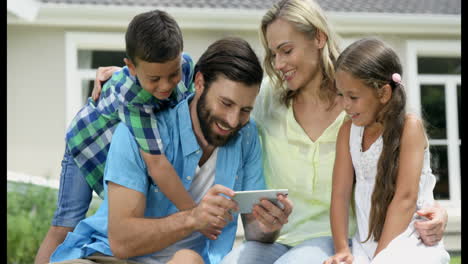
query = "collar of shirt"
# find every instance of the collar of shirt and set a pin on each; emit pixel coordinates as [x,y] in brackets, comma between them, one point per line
[189,142]
[140,96]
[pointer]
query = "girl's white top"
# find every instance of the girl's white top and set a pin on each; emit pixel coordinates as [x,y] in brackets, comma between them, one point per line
[365,168]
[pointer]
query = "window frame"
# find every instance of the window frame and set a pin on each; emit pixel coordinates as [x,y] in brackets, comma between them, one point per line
[438,48]
[74,41]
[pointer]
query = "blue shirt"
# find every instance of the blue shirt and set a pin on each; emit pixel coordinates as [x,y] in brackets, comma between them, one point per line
[238,166]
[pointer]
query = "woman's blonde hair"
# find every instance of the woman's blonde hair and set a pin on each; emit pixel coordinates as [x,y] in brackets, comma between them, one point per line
[307,17]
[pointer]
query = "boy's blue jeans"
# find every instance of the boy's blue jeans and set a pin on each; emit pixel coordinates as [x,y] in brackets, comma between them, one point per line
[74,195]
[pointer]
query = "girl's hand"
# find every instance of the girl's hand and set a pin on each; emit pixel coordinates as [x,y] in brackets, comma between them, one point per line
[340,257]
[270,217]
[102,75]
[432,230]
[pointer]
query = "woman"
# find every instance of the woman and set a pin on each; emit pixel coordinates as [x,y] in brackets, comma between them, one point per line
[298,116]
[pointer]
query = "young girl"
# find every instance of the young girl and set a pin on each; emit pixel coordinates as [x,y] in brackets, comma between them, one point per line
[382,146]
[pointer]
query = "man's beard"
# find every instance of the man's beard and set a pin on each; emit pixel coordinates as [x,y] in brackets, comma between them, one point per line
[206,119]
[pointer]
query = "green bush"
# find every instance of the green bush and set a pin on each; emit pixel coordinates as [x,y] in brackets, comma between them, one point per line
[455,258]
[29,213]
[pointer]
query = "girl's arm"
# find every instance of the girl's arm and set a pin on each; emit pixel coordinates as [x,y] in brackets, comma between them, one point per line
[403,205]
[343,175]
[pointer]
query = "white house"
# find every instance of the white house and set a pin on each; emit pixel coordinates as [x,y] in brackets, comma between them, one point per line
[54,47]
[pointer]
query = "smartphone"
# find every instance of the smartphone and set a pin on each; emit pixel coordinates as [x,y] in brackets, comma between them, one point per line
[247,199]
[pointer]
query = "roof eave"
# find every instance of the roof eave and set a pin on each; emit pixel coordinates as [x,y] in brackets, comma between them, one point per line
[390,23]
[23,9]
[105,16]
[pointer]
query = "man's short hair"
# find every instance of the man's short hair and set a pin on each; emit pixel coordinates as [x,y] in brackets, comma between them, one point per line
[233,58]
[153,36]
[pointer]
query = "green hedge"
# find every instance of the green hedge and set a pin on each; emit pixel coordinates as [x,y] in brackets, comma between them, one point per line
[29,213]
[455,258]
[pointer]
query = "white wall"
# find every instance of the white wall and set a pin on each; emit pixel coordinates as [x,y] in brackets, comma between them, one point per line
[35,100]
[197,41]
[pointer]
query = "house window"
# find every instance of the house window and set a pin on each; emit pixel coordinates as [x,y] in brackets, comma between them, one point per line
[85,52]
[434,110]
[89,61]
[434,88]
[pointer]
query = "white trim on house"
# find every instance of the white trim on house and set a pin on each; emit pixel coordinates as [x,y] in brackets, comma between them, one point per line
[24,9]
[240,19]
[415,48]
[83,40]
[15,176]
[89,74]
[438,48]
[36,180]
[453,141]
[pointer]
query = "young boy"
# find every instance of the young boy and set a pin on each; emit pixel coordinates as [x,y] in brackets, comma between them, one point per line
[154,67]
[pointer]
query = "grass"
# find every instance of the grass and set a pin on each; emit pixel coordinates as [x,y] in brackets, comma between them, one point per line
[455,258]
[29,213]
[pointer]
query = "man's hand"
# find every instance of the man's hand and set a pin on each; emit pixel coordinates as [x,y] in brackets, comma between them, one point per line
[270,217]
[432,230]
[212,213]
[102,75]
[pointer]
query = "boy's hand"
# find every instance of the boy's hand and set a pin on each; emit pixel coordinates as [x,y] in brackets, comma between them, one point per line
[102,75]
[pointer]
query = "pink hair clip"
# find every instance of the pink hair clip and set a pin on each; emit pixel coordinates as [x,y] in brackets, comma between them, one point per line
[396,78]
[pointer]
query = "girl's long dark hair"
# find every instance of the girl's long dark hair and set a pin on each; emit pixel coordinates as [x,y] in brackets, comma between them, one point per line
[373,62]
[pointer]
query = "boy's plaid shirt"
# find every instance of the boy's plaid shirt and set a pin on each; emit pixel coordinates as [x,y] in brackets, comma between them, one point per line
[122,99]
